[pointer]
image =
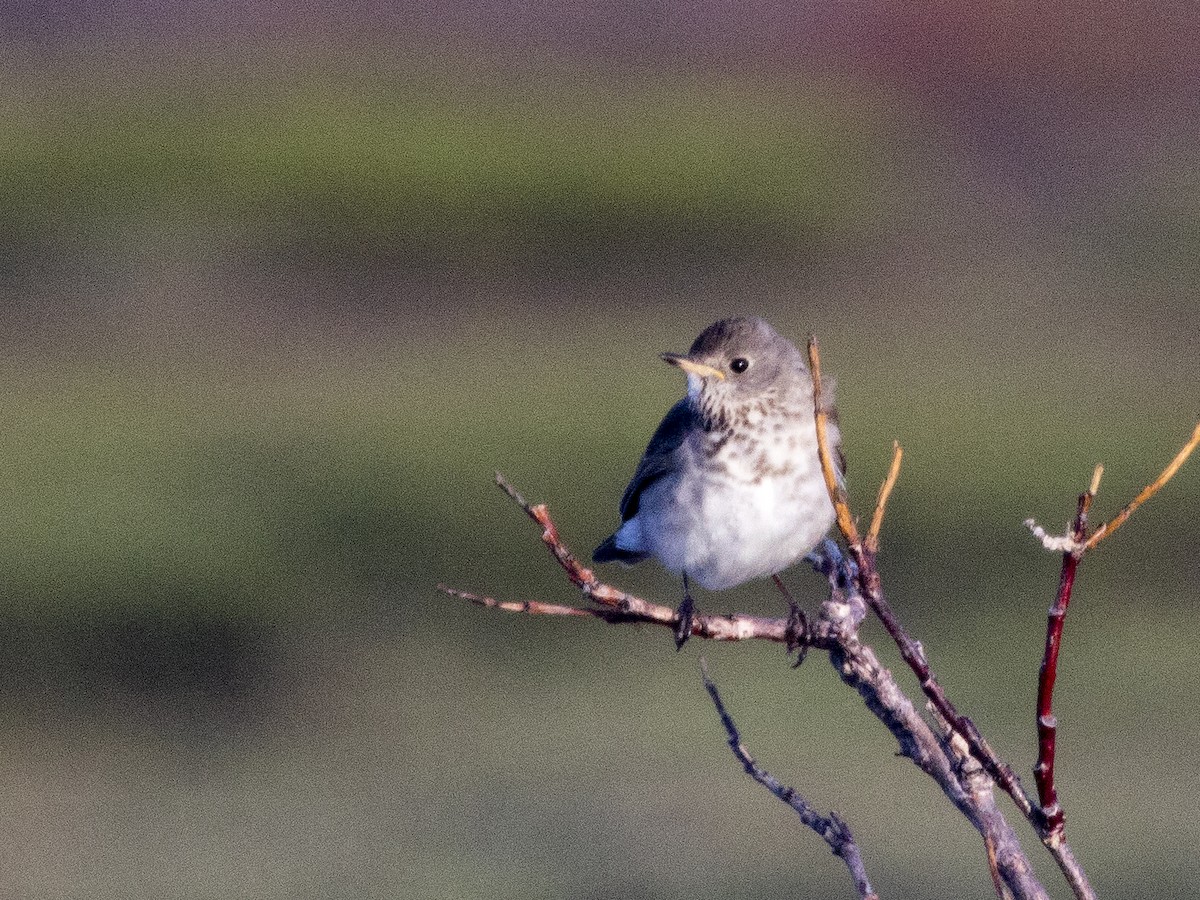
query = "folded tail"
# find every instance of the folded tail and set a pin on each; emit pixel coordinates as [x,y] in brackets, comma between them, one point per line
[610,552]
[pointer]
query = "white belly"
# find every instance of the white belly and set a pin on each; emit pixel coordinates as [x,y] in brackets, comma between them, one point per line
[750,517]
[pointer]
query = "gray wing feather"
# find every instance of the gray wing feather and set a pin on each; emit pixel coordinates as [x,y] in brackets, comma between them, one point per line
[659,458]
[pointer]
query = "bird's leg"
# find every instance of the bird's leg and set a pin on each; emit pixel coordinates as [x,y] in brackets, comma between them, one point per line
[797,624]
[684,616]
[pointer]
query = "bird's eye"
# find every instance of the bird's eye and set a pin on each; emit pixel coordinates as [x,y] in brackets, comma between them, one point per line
[739,365]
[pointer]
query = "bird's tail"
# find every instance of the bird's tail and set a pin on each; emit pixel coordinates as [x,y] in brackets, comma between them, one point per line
[610,552]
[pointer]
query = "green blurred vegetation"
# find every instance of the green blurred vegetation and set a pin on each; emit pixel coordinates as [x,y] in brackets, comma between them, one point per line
[281,334]
[368,167]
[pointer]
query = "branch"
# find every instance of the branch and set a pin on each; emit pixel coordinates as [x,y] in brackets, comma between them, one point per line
[831,829]
[910,650]
[1073,546]
[617,606]
[1047,725]
[1147,492]
[836,632]
[859,667]
[837,490]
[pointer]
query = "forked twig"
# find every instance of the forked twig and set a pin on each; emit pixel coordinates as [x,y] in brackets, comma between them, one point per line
[910,650]
[615,605]
[1074,545]
[831,829]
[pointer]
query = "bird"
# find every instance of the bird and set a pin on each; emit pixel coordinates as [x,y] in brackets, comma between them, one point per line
[730,488]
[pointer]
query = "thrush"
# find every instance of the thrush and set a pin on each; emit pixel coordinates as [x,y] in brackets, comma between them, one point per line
[730,488]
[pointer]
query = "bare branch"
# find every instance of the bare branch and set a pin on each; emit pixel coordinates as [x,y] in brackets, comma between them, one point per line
[1047,724]
[911,651]
[859,667]
[913,654]
[831,829]
[1073,546]
[731,627]
[529,607]
[836,632]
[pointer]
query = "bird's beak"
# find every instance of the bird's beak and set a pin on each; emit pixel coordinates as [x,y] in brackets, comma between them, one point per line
[693,367]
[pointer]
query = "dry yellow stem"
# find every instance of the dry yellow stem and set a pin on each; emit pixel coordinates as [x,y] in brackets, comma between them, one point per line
[837,493]
[885,491]
[1147,492]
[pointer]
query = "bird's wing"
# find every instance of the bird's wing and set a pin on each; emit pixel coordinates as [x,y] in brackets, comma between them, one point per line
[659,458]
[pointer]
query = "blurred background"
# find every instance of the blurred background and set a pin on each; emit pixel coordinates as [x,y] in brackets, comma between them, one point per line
[283,287]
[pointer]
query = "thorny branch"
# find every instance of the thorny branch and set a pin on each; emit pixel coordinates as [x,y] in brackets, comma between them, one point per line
[831,829]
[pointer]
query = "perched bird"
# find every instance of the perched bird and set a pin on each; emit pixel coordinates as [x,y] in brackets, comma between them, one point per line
[730,487]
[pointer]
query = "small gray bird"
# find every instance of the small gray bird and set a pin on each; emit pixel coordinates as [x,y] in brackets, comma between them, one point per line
[730,487]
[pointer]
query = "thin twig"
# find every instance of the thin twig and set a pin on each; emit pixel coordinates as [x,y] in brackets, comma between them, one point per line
[528,607]
[1147,492]
[732,627]
[885,491]
[831,829]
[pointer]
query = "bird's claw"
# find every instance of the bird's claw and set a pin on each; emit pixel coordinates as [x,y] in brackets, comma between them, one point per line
[797,633]
[685,617]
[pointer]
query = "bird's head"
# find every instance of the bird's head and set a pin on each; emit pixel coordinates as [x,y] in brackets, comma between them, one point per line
[741,360]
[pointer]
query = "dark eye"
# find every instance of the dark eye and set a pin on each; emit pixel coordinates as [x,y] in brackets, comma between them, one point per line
[739,365]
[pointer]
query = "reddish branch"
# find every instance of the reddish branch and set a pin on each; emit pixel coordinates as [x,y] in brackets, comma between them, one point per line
[1074,545]
[831,829]
[1047,725]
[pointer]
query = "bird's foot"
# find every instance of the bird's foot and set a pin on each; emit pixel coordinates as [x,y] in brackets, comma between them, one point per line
[685,617]
[797,630]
